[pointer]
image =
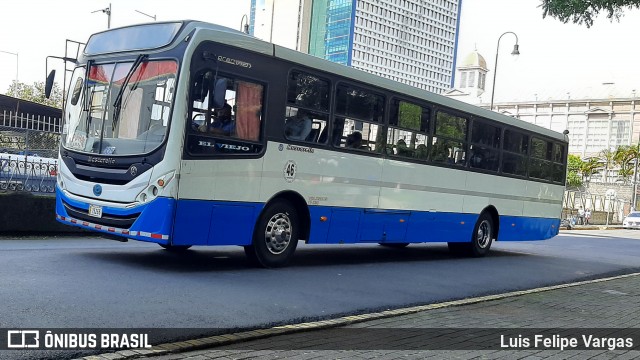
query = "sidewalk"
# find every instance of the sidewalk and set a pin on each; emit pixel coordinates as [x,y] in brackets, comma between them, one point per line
[592,307]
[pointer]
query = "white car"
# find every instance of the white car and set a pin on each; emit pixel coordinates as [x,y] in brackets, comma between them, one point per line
[632,221]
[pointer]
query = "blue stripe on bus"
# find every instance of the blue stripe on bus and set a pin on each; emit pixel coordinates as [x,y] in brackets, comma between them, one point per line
[156,217]
[201,222]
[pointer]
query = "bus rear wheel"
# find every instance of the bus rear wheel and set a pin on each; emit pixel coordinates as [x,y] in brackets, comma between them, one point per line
[275,237]
[481,239]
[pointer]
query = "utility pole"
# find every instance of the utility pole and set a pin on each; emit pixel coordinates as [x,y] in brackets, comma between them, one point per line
[108,12]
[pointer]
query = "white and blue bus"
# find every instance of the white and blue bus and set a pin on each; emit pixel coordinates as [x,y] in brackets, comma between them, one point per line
[187,133]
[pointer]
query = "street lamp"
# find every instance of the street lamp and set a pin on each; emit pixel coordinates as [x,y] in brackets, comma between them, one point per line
[244,19]
[16,54]
[108,12]
[515,51]
[151,16]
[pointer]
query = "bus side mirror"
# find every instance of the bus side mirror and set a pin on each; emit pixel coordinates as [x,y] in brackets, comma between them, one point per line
[49,84]
[219,92]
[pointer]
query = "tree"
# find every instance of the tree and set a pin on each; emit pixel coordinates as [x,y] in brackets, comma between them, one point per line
[585,11]
[574,166]
[589,167]
[625,157]
[606,157]
[35,93]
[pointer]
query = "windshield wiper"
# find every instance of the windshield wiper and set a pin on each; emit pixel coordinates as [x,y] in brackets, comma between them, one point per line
[117,103]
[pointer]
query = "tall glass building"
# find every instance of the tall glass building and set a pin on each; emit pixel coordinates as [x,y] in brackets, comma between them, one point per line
[410,41]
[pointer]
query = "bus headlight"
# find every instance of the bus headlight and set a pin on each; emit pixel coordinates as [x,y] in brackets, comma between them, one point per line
[155,188]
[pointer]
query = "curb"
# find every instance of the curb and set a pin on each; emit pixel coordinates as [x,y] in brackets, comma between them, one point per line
[226,339]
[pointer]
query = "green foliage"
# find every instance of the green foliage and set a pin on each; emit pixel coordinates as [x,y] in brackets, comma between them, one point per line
[590,167]
[35,93]
[585,11]
[575,163]
[573,175]
[409,115]
[451,126]
[573,179]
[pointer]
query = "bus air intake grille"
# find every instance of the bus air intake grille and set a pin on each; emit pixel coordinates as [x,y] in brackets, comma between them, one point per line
[119,221]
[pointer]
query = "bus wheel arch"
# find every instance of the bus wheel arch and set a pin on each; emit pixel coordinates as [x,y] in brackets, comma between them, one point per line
[485,232]
[277,231]
[304,217]
[496,220]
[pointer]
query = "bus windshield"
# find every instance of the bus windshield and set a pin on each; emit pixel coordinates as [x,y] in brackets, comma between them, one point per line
[97,122]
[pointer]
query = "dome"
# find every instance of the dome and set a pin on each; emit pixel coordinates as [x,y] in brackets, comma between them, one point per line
[474,59]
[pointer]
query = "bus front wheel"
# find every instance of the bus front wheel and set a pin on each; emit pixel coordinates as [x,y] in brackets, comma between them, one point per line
[481,239]
[275,237]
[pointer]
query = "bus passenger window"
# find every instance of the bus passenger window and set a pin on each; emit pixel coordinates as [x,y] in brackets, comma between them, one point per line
[485,149]
[514,155]
[307,113]
[304,125]
[448,152]
[408,128]
[449,144]
[237,123]
[359,111]
[346,134]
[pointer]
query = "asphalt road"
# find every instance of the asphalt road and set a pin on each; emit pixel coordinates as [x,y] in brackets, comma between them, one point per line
[97,283]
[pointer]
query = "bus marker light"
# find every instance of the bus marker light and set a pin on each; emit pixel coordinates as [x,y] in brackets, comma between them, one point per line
[513,225]
[161,182]
[323,218]
[461,222]
[401,220]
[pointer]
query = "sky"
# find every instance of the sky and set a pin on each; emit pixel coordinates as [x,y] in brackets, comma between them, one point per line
[557,60]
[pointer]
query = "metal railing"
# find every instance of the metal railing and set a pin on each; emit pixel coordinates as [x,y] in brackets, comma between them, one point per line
[28,152]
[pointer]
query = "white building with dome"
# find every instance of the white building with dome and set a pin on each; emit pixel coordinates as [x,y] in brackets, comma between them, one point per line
[597,119]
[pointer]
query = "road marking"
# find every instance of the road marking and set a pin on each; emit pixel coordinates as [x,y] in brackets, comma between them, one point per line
[226,339]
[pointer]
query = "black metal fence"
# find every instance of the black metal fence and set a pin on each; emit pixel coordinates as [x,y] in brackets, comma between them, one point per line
[28,152]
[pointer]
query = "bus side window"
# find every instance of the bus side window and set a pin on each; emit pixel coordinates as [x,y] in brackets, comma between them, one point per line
[408,128]
[307,112]
[358,112]
[304,125]
[237,124]
[449,144]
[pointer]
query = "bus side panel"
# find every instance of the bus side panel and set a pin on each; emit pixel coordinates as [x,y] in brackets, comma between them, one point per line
[515,228]
[319,229]
[440,227]
[200,222]
[193,220]
[233,224]
[344,226]
[383,226]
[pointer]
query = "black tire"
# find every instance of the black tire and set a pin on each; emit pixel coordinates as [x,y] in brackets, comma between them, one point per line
[481,239]
[275,237]
[394,245]
[176,248]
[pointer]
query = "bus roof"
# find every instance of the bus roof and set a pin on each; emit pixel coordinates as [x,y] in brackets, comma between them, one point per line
[237,38]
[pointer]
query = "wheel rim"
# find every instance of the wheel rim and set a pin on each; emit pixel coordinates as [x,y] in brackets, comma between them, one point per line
[483,236]
[278,233]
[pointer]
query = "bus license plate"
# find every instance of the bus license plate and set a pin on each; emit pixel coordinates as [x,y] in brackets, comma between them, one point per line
[95,211]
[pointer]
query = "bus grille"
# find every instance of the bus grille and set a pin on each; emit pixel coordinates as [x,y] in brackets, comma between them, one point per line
[119,221]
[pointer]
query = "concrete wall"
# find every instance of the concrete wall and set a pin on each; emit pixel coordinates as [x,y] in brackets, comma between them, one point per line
[28,213]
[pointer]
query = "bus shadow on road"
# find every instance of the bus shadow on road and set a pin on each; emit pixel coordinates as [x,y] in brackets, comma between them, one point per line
[199,259]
